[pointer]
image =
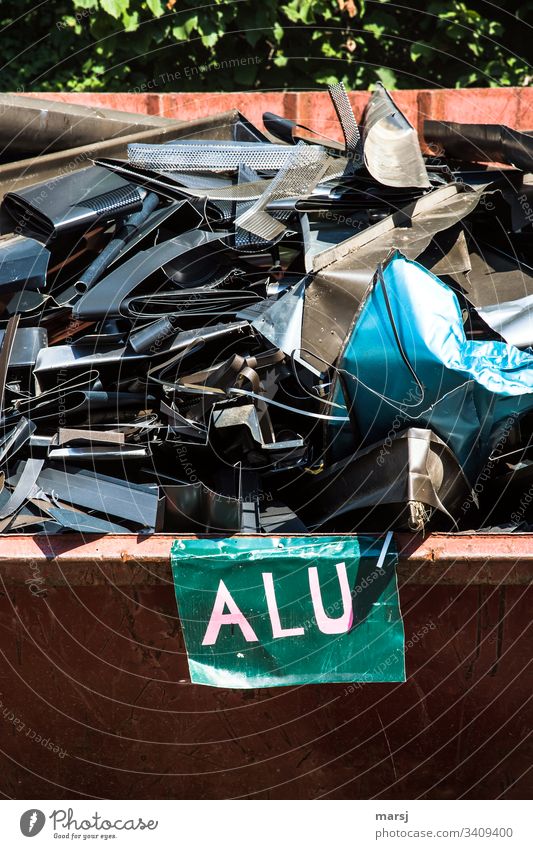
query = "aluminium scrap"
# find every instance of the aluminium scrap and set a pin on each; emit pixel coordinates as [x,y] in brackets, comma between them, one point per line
[270,331]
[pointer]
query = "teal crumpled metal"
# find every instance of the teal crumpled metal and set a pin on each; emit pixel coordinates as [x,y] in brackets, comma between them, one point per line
[247,611]
[471,390]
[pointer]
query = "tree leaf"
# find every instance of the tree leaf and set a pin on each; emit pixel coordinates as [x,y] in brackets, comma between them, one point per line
[210,40]
[387,77]
[182,33]
[115,8]
[278,31]
[424,51]
[155,7]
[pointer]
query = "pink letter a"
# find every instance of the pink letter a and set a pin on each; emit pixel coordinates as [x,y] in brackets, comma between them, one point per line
[234,617]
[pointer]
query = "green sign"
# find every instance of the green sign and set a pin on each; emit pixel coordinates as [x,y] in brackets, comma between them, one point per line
[279,611]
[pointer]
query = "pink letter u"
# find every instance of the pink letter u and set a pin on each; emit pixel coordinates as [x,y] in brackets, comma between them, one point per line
[341,624]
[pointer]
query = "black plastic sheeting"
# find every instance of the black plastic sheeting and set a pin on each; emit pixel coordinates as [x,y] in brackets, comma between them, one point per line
[170,335]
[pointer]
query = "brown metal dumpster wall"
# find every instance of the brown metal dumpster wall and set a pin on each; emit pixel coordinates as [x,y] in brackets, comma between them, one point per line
[94,664]
[512,106]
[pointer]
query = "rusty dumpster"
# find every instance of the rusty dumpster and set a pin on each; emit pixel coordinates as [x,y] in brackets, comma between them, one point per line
[96,701]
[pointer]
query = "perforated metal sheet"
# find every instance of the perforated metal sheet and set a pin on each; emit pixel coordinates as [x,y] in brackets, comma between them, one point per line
[209,156]
[115,200]
[300,175]
[350,128]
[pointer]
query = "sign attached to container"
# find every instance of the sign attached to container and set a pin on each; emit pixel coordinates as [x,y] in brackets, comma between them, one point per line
[270,612]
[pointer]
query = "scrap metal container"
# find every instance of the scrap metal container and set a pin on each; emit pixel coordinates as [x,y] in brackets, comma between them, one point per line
[96,701]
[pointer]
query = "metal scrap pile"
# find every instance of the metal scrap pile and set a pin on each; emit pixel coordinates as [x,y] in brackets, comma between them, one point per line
[272,332]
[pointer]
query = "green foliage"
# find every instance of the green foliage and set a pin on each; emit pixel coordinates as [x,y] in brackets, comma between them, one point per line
[225,45]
